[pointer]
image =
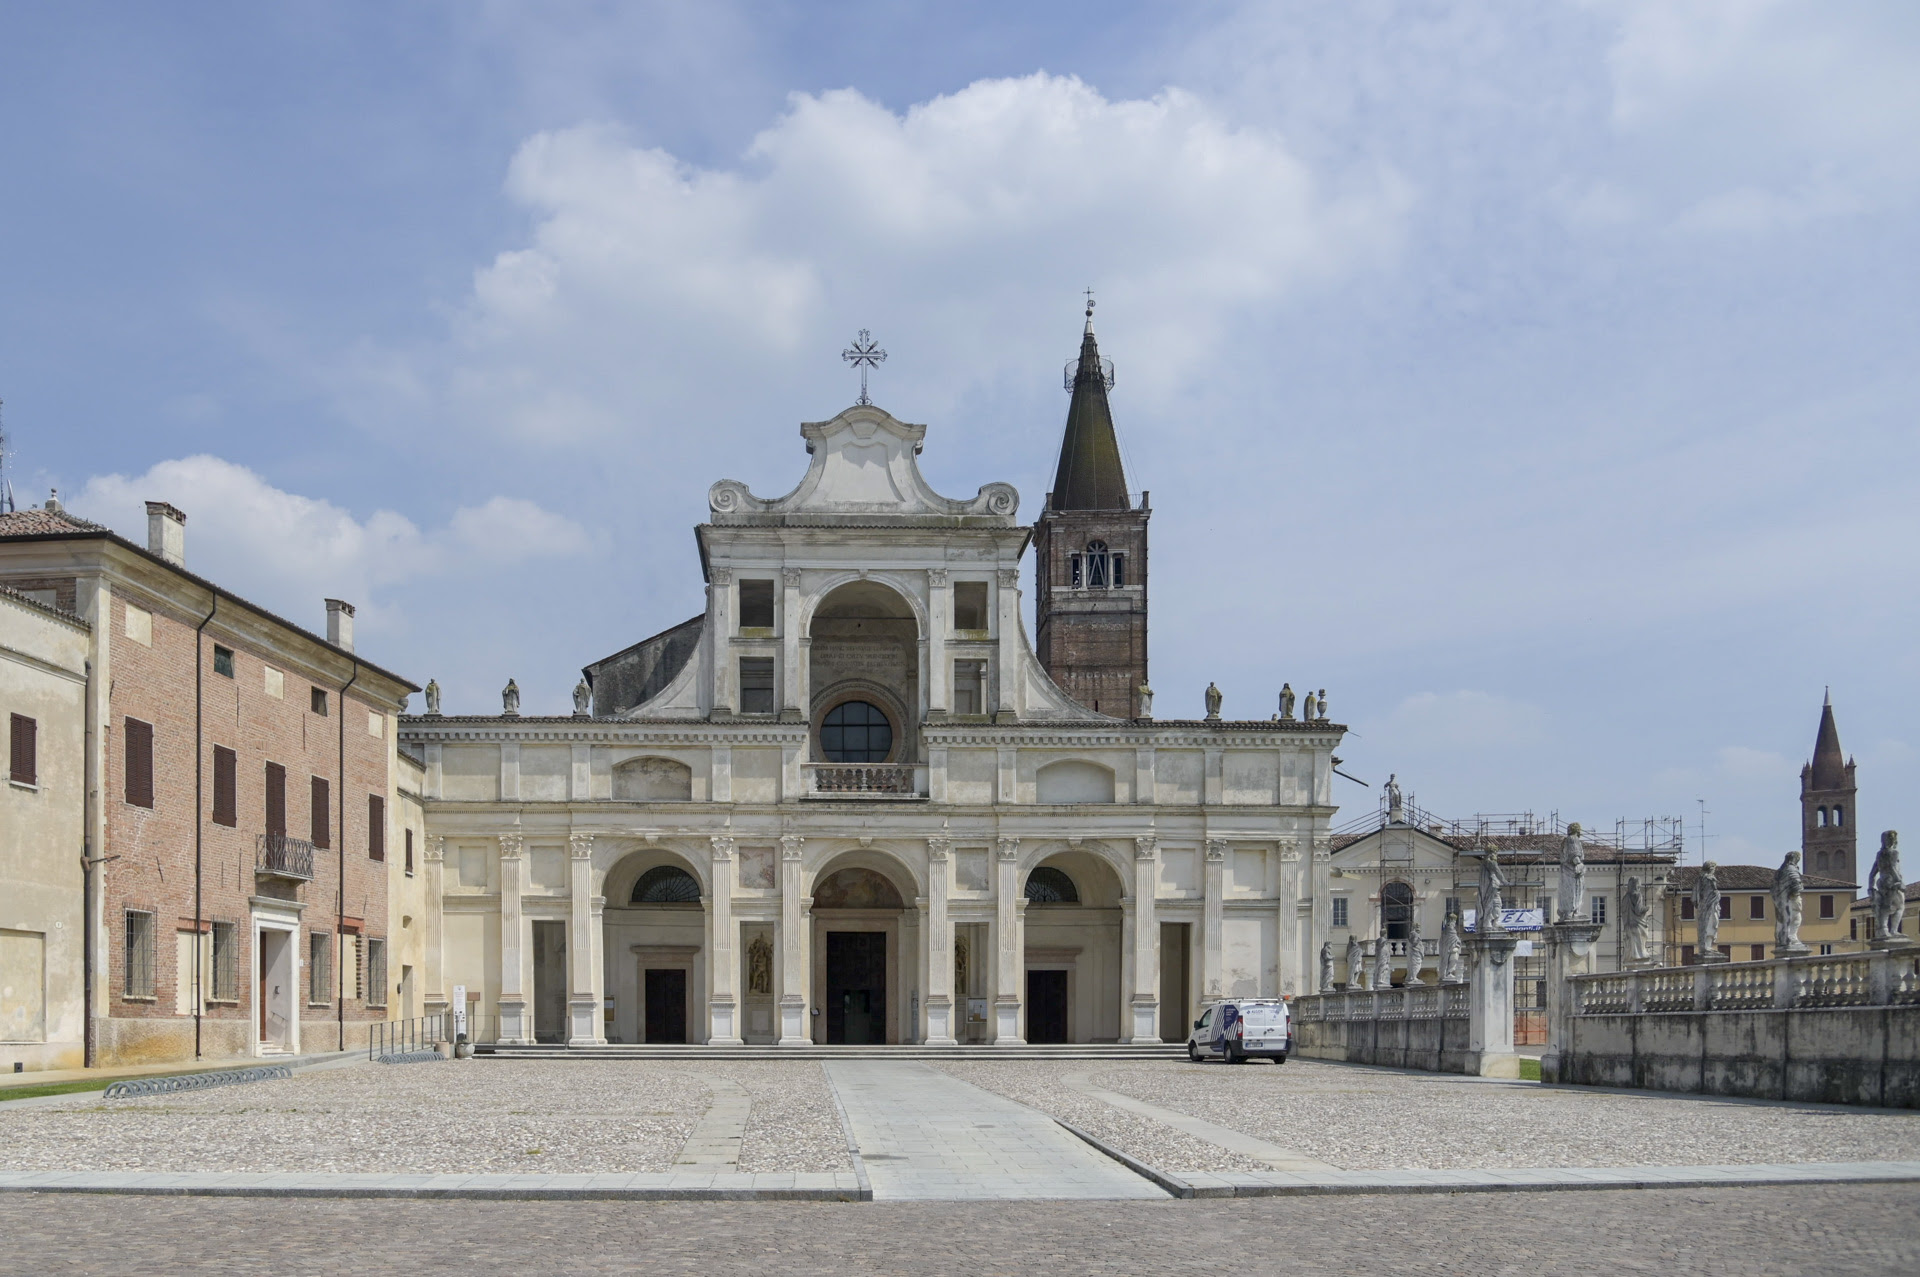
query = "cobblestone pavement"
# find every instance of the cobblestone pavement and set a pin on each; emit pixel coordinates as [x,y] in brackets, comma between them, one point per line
[1375,1119]
[545,1117]
[1859,1231]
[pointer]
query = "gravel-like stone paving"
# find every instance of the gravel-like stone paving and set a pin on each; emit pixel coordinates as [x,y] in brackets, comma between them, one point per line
[463,1115]
[1370,1119]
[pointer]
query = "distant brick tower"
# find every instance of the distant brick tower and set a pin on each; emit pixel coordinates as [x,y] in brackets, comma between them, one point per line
[1827,815]
[1090,552]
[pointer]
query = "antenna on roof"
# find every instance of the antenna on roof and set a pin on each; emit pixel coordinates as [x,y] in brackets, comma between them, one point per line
[6,473]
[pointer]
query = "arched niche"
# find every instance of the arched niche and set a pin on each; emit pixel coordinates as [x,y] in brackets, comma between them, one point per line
[654,942]
[652,779]
[1074,781]
[863,964]
[1073,979]
[864,650]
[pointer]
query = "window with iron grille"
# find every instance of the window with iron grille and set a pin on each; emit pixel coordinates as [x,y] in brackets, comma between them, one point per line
[376,827]
[223,661]
[351,952]
[319,968]
[225,786]
[756,685]
[139,753]
[276,795]
[139,954]
[226,987]
[376,972]
[322,827]
[1597,907]
[24,746]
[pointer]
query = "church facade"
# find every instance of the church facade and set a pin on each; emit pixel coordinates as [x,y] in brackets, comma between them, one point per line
[848,803]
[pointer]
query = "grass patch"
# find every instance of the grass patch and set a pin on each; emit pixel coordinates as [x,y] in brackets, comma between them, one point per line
[55,1088]
[1529,1069]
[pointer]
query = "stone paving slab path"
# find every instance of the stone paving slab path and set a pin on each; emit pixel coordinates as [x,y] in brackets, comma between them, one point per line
[924,1135]
[1280,1159]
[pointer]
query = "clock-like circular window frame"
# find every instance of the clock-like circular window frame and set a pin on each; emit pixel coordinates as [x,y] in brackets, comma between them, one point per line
[866,728]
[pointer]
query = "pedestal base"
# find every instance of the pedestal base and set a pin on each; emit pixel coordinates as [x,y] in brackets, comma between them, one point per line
[1713,957]
[1891,942]
[1493,1064]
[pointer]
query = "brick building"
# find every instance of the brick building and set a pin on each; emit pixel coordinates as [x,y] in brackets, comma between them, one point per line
[240,803]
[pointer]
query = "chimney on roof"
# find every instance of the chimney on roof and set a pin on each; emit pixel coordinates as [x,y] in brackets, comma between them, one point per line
[167,533]
[340,624]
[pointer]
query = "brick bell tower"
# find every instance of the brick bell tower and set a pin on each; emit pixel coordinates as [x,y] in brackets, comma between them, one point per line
[1090,554]
[1827,814]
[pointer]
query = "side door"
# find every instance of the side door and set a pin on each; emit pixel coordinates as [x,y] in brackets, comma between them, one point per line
[1203,1029]
[1224,1028]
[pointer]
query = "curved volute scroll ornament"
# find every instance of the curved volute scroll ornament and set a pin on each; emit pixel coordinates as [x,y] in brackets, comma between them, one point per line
[729,496]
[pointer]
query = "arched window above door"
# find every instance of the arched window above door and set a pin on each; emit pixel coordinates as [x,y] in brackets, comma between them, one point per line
[1049,886]
[666,885]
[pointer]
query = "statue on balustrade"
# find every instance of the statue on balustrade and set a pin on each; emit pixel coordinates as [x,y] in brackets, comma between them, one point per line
[1787,884]
[1356,964]
[1213,703]
[1326,967]
[1452,966]
[1492,880]
[1286,702]
[1706,909]
[1886,890]
[1573,875]
[433,696]
[1415,953]
[1636,922]
[1382,963]
[582,700]
[510,700]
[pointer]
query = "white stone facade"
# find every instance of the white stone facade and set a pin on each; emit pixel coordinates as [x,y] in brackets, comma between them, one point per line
[1194,853]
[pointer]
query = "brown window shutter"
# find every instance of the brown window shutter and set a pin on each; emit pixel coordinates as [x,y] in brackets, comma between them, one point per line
[225,798]
[139,763]
[276,799]
[24,750]
[376,827]
[322,830]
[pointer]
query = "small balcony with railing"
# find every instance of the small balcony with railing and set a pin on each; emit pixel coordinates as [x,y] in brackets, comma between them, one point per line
[866,782]
[280,856]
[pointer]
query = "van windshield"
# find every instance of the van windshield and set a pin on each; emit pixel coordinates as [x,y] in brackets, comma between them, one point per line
[1263,1015]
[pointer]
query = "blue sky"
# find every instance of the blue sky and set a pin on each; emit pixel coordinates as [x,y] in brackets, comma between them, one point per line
[1537,378]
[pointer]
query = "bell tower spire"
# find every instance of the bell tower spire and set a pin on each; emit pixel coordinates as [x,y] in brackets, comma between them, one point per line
[1090,552]
[1828,844]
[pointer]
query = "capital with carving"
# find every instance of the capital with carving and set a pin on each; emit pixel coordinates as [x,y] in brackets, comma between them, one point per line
[790,577]
[581,845]
[1008,578]
[790,846]
[722,847]
[721,576]
[436,848]
[937,849]
[1009,849]
[1145,847]
[937,578]
[510,845]
[1216,850]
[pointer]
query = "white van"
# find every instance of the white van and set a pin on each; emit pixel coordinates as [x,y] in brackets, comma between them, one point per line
[1242,1029]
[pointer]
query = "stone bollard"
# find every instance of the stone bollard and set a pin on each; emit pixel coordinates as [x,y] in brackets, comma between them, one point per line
[462,1049]
[1490,1050]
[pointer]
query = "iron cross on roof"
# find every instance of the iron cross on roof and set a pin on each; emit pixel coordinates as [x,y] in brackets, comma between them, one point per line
[865,353]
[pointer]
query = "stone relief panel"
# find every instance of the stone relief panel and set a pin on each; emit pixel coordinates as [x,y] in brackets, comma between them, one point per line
[857,889]
[970,870]
[652,780]
[759,868]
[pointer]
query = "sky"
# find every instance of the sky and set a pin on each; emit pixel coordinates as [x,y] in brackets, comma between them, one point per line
[1537,377]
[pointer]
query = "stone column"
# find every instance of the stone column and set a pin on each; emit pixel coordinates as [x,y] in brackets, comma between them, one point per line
[435,996]
[513,945]
[794,960]
[726,699]
[585,1027]
[793,680]
[939,684]
[1143,1002]
[1008,650]
[938,1026]
[1569,953]
[1009,955]
[723,954]
[1212,944]
[1490,1005]
[1293,959]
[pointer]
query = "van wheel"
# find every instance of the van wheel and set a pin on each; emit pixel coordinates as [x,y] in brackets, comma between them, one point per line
[1233,1056]
[1193,1053]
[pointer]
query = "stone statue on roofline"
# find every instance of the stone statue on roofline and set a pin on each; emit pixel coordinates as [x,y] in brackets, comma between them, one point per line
[1396,805]
[1213,703]
[1146,701]
[1320,706]
[1636,922]
[433,696]
[1887,891]
[1788,883]
[1356,963]
[1326,967]
[1306,708]
[582,700]
[510,700]
[1706,909]
[1573,875]
[1286,702]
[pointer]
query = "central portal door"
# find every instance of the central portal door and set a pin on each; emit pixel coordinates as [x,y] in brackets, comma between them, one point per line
[856,987]
[1046,1006]
[666,1004]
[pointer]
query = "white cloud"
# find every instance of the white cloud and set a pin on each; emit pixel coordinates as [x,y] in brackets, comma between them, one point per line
[974,217]
[288,552]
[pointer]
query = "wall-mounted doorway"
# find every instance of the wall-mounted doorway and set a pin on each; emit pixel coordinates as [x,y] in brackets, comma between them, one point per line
[550,982]
[666,1004]
[856,987]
